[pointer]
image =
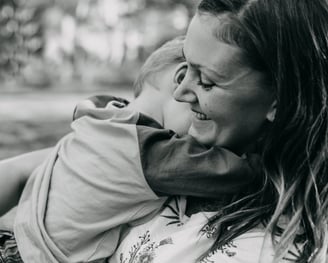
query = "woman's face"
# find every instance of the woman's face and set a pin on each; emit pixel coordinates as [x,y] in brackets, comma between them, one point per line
[228,101]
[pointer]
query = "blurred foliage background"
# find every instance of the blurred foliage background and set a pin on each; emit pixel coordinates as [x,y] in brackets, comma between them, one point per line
[54,53]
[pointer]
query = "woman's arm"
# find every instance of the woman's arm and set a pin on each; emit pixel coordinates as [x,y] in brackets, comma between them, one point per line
[14,173]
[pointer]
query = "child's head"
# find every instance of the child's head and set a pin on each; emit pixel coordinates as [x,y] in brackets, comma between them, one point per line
[167,56]
[163,70]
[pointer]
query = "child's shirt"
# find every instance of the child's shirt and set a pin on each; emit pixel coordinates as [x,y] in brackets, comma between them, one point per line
[97,179]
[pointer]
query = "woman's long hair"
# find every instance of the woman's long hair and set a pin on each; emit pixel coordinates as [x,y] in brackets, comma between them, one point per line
[288,41]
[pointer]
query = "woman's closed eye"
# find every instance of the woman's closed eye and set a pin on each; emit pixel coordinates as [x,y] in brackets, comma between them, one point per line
[206,85]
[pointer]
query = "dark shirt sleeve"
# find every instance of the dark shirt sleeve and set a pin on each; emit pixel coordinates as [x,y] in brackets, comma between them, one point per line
[175,165]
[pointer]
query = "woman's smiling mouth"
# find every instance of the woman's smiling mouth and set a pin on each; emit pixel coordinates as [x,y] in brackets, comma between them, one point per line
[199,115]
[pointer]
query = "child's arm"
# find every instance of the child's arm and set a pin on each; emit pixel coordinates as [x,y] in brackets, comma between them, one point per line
[182,166]
[14,173]
[175,165]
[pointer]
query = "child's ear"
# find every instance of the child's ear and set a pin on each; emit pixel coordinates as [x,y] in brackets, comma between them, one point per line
[180,73]
[272,111]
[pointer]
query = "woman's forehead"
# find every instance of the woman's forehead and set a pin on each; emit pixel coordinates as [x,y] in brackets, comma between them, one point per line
[202,49]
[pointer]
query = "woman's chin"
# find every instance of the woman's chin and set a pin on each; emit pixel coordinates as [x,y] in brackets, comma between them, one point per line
[203,135]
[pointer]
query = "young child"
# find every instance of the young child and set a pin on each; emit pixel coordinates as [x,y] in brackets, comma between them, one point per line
[115,169]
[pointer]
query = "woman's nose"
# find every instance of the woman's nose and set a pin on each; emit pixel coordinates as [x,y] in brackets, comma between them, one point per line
[184,91]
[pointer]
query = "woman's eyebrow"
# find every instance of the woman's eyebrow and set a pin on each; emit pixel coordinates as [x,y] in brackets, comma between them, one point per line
[197,66]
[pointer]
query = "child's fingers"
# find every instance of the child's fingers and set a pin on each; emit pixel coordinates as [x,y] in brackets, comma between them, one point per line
[101,101]
[117,104]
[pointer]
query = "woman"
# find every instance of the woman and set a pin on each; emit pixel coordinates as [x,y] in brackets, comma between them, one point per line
[256,82]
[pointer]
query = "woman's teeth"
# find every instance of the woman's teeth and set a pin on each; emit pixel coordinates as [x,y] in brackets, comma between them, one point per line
[200,116]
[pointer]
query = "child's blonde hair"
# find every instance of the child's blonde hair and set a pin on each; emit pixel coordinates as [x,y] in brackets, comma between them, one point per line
[168,54]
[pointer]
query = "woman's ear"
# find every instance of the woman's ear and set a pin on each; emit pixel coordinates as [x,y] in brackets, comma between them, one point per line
[272,111]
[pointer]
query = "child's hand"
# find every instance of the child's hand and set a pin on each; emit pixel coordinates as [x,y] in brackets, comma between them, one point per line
[101,101]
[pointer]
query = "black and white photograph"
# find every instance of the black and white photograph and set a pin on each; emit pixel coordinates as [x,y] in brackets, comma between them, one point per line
[164,131]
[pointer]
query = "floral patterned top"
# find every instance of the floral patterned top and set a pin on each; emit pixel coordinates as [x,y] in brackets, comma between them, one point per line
[171,236]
